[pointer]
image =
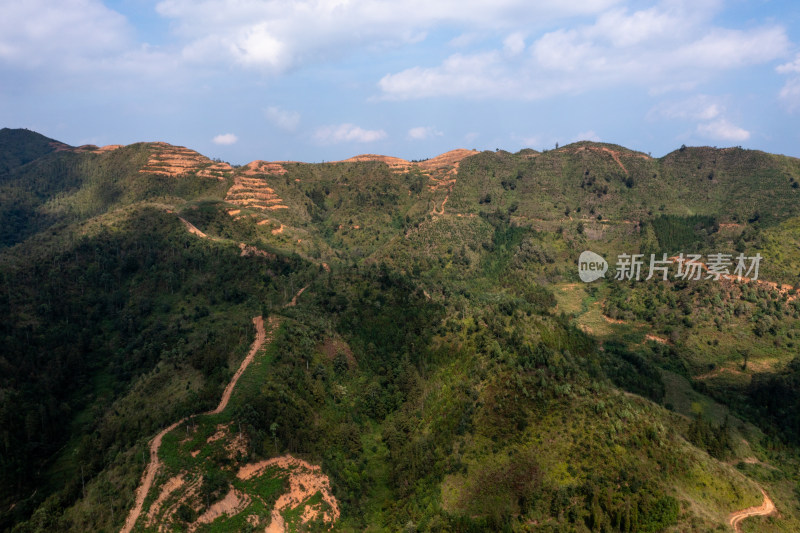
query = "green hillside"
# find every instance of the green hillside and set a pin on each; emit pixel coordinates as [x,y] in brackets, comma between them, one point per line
[443,365]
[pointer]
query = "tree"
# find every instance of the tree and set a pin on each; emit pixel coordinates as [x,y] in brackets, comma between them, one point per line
[273,429]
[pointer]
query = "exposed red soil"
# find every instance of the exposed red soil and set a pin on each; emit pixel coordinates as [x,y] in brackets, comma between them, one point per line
[447,159]
[174,161]
[253,193]
[258,167]
[169,487]
[781,288]
[395,163]
[656,338]
[59,146]
[251,190]
[261,338]
[191,228]
[441,209]
[765,509]
[305,481]
[294,299]
[189,495]
[152,467]
[232,504]
[91,148]
[331,347]
[718,372]
[615,154]
[221,433]
[248,250]
[148,477]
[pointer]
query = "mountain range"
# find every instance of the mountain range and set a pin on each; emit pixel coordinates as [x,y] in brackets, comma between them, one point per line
[378,344]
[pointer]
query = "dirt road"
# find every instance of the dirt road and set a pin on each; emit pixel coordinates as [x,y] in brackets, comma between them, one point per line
[294,299]
[191,228]
[764,509]
[152,467]
[261,336]
[147,478]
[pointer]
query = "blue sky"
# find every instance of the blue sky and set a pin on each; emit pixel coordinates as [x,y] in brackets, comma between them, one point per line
[327,79]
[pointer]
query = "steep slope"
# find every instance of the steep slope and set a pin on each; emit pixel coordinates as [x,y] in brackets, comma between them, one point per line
[67,185]
[19,147]
[176,161]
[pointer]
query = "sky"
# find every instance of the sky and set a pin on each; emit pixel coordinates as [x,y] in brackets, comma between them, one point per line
[323,80]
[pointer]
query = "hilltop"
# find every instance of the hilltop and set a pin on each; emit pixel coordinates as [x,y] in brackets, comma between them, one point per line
[430,361]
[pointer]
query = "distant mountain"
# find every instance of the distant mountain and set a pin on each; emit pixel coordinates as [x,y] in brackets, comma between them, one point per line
[19,147]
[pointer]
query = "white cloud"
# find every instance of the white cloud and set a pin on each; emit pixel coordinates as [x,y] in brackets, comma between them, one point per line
[276,35]
[514,44]
[347,133]
[650,25]
[697,107]
[261,45]
[68,33]
[225,139]
[790,92]
[724,49]
[791,67]
[587,136]
[422,133]
[670,46]
[83,45]
[474,75]
[285,120]
[708,113]
[723,130]
[464,40]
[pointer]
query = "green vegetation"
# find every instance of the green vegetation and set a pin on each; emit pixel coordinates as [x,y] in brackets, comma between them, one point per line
[443,366]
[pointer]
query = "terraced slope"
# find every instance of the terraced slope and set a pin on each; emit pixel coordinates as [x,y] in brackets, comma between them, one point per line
[174,161]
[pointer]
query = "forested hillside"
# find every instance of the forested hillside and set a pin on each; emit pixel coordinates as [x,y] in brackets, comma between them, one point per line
[432,361]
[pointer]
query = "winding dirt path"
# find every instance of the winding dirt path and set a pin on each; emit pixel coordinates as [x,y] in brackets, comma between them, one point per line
[261,336]
[147,478]
[440,212]
[191,228]
[149,474]
[294,299]
[766,508]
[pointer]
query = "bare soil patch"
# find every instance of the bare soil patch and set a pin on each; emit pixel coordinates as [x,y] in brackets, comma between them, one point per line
[766,508]
[174,161]
[149,474]
[305,481]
